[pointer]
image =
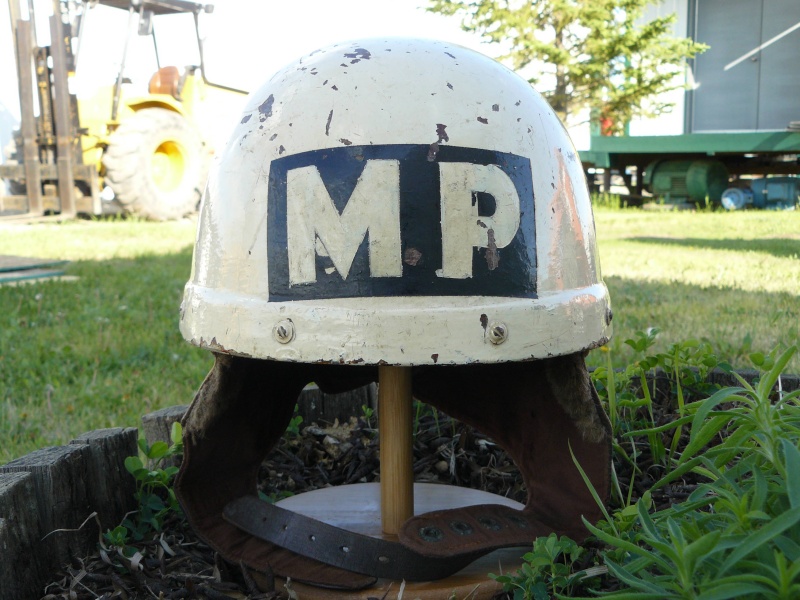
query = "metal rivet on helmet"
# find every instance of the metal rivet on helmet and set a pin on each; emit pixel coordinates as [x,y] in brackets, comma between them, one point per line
[284,331]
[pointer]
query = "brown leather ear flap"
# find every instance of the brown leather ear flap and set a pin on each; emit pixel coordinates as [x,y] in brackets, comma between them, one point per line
[238,415]
[536,411]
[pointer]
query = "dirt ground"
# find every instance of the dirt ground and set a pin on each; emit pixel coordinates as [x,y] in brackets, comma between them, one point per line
[175,564]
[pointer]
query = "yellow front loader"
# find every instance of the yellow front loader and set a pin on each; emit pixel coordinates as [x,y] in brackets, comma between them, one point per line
[106,152]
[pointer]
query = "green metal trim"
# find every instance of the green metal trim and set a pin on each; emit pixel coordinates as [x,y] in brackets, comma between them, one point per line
[29,275]
[10,263]
[709,143]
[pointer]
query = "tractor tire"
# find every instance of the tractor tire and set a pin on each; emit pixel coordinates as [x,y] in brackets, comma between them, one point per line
[156,164]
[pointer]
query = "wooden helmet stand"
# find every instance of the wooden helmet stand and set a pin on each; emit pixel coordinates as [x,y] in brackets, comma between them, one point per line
[379,510]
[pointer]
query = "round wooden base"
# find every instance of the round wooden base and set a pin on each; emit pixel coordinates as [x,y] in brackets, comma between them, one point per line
[357,508]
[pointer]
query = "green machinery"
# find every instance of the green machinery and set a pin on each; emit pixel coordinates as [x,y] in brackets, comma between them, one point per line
[686,180]
[696,167]
[738,122]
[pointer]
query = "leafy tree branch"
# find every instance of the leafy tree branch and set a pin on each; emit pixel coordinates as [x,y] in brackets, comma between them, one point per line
[600,55]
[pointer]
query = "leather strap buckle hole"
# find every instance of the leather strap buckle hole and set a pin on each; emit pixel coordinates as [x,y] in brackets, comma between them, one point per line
[461,528]
[431,534]
[490,523]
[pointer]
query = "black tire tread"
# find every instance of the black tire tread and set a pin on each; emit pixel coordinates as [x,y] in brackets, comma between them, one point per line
[127,159]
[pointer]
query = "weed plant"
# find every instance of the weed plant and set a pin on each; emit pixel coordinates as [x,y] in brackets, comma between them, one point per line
[735,534]
[155,497]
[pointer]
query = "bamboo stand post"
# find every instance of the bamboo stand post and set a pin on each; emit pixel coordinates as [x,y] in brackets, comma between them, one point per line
[395,430]
[394,499]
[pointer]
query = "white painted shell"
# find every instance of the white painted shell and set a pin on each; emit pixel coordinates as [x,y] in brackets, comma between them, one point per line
[260,261]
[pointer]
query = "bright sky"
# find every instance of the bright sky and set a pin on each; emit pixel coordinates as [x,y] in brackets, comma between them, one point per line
[265,34]
[246,42]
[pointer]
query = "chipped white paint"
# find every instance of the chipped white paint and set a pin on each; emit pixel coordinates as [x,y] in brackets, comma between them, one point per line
[390,92]
[312,217]
[462,228]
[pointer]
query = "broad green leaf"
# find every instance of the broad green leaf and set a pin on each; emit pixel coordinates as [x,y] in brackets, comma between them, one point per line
[133,464]
[733,590]
[702,436]
[728,394]
[153,502]
[671,425]
[626,595]
[628,546]
[647,522]
[706,546]
[789,547]
[678,472]
[628,578]
[157,450]
[768,380]
[760,492]
[176,433]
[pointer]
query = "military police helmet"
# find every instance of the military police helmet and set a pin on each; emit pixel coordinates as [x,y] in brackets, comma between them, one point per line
[396,202]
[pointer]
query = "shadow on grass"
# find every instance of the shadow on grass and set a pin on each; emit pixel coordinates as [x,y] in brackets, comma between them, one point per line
[733,321]
[776,246]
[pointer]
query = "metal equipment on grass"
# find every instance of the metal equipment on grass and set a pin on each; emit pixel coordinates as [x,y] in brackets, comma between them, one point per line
[149,150]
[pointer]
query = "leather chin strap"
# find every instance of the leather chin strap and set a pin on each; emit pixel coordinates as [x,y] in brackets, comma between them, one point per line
[537,411]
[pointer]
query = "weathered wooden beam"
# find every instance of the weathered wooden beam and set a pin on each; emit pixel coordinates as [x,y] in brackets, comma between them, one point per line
[47,501]
[59,500]
[109,486]
[19,530]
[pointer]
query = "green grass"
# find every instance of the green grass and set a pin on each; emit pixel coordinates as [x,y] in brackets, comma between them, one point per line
[100,351]
[730,278]
[105,349]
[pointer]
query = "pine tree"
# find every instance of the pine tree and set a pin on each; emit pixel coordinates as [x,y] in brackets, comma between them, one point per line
[599,55]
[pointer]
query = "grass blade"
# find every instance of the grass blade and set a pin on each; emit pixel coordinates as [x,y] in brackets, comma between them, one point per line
[593,491]
[792,455]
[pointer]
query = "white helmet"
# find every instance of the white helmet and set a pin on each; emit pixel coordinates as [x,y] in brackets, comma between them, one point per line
[407,202]
[354,218]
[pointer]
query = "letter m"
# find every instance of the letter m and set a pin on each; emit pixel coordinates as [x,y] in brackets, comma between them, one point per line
[315,227]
